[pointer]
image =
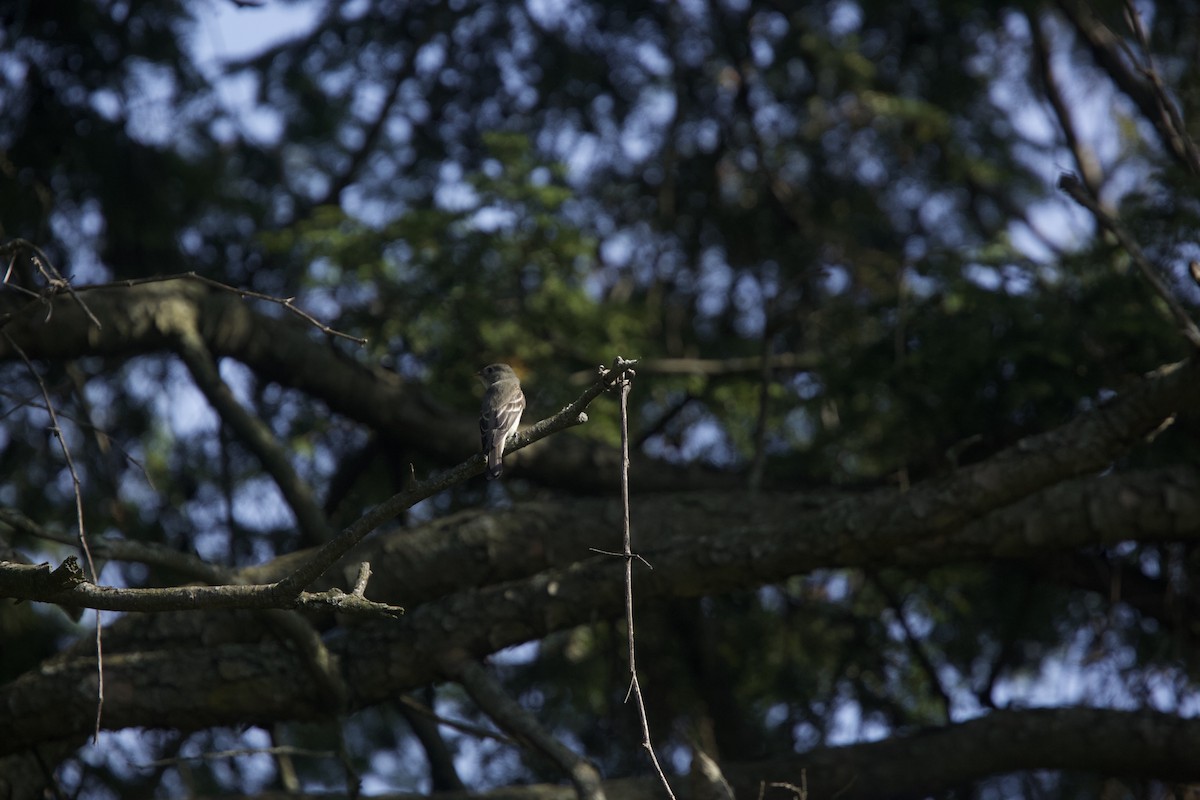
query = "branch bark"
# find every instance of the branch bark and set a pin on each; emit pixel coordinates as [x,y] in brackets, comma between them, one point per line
[167,680]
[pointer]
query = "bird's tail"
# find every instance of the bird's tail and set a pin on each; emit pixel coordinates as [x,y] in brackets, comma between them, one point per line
[495,461]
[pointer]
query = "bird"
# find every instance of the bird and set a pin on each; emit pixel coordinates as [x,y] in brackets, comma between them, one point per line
[500,413]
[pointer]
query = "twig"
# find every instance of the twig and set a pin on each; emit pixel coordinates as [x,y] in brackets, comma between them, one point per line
[127,550]
[1173,118]
[443,773]
[1140,83]
[287,302]
[55,282]
[487,692]
[83,542]
[635,689]
[462,727]
[82,424]
[364,575]
[798,792]
[638,556]
[1085,159]
[1072,186]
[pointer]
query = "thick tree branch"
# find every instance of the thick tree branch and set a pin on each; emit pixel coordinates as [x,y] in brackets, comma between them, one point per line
[381,660]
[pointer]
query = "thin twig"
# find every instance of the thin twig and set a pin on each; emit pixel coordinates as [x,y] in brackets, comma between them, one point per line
[364,575]
[83,542]
[1173,118]
[1085,159]
[287,302]
[55,282]
[82,424]
[635,689]
[1140,83]
[915,646]
[462,727]
[150,553]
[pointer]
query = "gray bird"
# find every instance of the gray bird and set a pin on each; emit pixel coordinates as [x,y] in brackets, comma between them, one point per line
[503,403]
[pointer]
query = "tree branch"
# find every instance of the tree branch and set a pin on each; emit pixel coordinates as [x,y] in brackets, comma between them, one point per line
[66,585]
[487,692]
[1145,90]
[257,437]
[326,556]
[700,544]
[381,659]
[1187,326]
[288,591]
[146,318]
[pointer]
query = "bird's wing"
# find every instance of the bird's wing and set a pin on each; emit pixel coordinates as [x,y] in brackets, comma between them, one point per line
[508,416]
[501,421]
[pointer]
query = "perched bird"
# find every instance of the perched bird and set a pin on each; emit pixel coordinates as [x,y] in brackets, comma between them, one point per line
[503,403]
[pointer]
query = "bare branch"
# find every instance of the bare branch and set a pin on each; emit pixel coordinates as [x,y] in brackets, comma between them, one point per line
[288,592]
[55,282]
[1140,83]
[510,716]
[66,585]
[458,725]
[332,551]
[255,434]
[1085,158]
[83,542]
[127,550]
[1071,185]
[624,385]
[286,302]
